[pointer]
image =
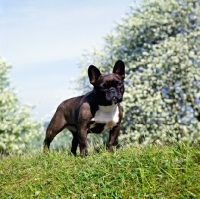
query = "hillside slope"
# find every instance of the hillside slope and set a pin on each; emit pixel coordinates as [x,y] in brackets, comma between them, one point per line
[148,172]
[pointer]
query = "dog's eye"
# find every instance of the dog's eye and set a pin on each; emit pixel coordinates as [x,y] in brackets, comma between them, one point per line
[102,88]
[119,84]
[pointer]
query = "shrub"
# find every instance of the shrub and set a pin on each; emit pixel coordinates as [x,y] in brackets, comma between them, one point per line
[159,41]
[18,130]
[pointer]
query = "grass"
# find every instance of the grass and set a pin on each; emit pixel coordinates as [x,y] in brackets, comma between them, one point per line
[146,172]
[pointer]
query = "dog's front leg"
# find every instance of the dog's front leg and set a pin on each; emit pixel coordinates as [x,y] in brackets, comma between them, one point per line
[82,137]
[114,133]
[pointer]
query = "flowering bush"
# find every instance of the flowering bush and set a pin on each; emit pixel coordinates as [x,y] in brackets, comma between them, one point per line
[18,130]
[159,41]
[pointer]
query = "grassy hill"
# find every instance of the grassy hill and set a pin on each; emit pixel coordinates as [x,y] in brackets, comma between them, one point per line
[140,172]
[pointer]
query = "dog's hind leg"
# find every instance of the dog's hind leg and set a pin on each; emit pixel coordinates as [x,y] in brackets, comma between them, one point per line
[56,125]
[74,143]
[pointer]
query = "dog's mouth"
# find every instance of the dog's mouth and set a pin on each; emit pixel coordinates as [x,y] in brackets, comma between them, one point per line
[115,100]
[108,101]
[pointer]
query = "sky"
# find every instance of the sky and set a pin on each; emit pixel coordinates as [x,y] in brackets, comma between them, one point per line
[44,41]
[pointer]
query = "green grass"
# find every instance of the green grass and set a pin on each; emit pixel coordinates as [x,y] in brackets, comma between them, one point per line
[147,172]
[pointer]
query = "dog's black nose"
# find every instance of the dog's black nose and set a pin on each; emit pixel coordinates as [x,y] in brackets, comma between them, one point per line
[113,95]
[112,91]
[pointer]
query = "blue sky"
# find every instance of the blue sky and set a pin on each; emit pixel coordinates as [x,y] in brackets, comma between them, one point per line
[44,41]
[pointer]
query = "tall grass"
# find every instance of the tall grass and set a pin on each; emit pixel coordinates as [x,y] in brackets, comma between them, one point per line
[139,172]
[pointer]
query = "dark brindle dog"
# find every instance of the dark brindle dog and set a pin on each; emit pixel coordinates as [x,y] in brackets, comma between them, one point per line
[96,111]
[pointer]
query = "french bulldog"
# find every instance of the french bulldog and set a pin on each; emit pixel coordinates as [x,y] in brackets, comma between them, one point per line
[94,112]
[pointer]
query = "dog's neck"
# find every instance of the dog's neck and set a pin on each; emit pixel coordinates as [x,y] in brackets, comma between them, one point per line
[108,109]
[107,114]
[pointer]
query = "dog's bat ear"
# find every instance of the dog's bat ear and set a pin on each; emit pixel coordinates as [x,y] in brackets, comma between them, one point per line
[119,68]
[93,74]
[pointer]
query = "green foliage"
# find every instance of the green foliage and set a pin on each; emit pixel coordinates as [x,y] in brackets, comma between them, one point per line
[17,129]
[159,41]
[148,172]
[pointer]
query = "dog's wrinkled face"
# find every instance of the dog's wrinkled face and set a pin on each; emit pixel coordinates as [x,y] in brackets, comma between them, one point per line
[109,88]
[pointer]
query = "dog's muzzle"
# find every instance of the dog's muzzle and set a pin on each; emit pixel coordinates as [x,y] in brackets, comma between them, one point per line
[113,95]
[114,100]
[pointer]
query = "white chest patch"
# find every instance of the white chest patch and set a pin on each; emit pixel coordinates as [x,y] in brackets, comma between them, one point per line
[108,115]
